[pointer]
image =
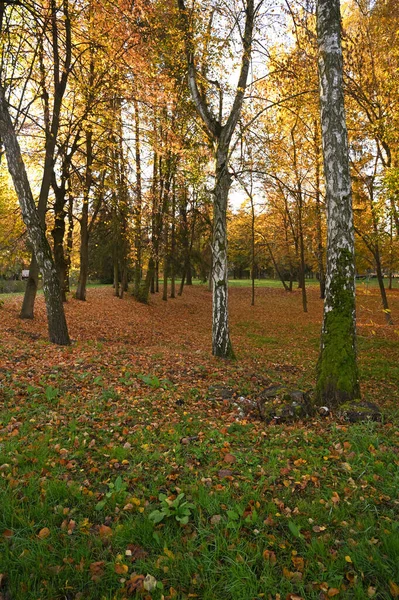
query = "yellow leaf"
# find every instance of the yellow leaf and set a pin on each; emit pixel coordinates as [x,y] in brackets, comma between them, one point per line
[348,559]
[169,553]
[121,569]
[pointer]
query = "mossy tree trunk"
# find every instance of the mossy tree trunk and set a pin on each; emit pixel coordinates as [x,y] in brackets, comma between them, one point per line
[337,373]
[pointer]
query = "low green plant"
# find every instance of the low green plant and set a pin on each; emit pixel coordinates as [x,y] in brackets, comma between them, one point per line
[116,491]
[51,393]
[178,509]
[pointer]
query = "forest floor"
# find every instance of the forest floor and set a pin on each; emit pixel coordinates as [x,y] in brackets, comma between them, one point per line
[92,434]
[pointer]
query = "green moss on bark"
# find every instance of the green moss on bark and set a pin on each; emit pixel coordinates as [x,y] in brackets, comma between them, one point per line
[337,373]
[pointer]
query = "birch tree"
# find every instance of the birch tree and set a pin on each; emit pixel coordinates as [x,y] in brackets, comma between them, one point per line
[57,326]
[220,135]
[337,373]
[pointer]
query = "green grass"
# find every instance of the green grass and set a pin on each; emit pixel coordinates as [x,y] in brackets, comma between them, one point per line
[299,501]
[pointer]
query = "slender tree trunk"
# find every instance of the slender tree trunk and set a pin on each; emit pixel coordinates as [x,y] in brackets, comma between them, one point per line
[221,344]
[302,253]
[123,286]
[172,263]
[116,277]
[28,302]
[138,203]
[337,373]
[145,285]
[58,233]
[84,222]
[84,259]
[252,249]
[287,289]
[383,293]
[320,250]
[69,246]
[57,326]
[390,251]
[181,288]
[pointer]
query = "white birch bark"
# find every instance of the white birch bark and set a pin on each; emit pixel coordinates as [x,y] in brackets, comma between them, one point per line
[337,375]
[58,331]
[220,135]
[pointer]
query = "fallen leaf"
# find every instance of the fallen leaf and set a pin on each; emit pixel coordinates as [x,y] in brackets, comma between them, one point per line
[7,533]
[135,583]
[43,533]
[333,592]
[270,556]
[394,589]
[348,559]
[216,519]
[105,532]
[97,570]
[135,552]
[229,459]
[298,563]
[224,473]
[150,583]
[121,569]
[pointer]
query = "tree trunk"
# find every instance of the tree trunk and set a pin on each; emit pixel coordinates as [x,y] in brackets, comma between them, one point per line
[28,303]
[60,78]
[116,277]
[84,260]
[57,326]
[337,373]
[302,254]
[84,222]
[320,251]
[252,248]
[221,344]
[58,233]
[138,203]
[145,285]
[172,255]
[380,278]
[69,245]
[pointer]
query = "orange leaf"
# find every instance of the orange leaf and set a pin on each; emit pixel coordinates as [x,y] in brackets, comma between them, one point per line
[121,569]
[7,533]
[332,592]
[136,582]
[43,533]
[270,556]
[229,459]
[97,570]
[394,589]
[105,532]
[298,563]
